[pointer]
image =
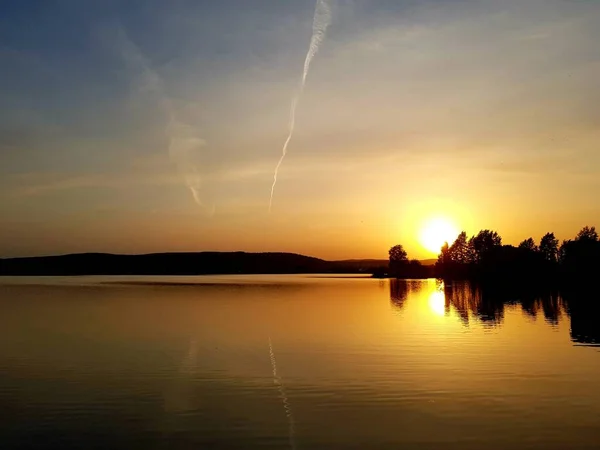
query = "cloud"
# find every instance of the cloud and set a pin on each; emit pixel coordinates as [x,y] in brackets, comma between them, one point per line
[185,145]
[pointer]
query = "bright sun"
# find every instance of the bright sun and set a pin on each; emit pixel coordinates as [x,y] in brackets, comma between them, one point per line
[436,232]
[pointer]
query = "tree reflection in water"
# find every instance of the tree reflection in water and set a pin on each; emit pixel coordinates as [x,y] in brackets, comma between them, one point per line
[487,304]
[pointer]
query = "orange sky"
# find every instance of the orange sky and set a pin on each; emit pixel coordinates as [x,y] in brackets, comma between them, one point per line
[483,113]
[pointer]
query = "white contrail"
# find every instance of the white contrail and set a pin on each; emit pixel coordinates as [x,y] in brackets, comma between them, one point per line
[182,139]
[282,394]
[321,21]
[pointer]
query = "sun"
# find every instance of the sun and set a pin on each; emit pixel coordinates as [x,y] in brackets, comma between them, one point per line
[436,232]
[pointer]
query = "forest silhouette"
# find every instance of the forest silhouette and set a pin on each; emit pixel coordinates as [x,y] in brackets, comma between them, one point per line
[480,276]
[483,257]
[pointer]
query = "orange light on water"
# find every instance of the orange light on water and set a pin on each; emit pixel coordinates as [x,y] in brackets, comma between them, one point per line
[437,302]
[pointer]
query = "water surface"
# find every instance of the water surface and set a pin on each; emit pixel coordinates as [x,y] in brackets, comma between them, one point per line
[301,362]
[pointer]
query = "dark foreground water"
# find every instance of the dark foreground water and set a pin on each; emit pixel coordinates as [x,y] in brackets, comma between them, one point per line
[291,362]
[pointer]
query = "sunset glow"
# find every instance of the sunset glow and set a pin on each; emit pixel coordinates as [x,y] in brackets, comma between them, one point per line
[254,224]
[166,124]
[436,232]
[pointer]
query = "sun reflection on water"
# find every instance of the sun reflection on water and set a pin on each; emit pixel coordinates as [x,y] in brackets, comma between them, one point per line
[437,302]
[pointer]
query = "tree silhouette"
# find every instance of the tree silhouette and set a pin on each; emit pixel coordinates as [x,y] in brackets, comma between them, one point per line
[444,256]
[398,255]
[484,243]
[459,250]
[580,257]
[549,247]
[562,250]
[587,234]
[485,259]
[398,259]
[455,260]
[401,267]
[529,245]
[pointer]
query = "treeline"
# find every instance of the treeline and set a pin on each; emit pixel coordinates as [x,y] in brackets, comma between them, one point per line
[483,256]
[401,267]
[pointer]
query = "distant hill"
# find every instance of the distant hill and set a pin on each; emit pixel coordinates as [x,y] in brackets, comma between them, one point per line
[165,264]
[428,262]
[202,263]
[375,263]
[181,264]
[360,265]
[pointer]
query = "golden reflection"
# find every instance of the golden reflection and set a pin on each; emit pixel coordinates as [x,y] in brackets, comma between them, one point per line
[437,302]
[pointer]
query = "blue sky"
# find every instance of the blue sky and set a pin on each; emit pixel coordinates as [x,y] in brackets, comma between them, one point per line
[458,108]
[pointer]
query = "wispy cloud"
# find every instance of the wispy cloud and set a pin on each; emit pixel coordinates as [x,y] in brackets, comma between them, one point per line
[185,146]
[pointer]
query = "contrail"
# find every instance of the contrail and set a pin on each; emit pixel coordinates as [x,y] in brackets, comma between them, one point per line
[183,141]
[321,21]
[282,394]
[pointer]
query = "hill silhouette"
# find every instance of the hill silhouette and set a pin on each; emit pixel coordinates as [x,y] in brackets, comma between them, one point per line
[202,263]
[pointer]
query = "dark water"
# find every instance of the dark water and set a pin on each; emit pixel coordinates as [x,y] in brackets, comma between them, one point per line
[292,362]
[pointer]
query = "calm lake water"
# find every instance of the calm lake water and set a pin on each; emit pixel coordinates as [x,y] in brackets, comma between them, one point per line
[298,362]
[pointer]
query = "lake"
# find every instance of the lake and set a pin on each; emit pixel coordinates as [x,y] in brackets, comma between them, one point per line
[292,362]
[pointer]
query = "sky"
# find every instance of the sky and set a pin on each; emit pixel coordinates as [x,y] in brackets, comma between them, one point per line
[482,113]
